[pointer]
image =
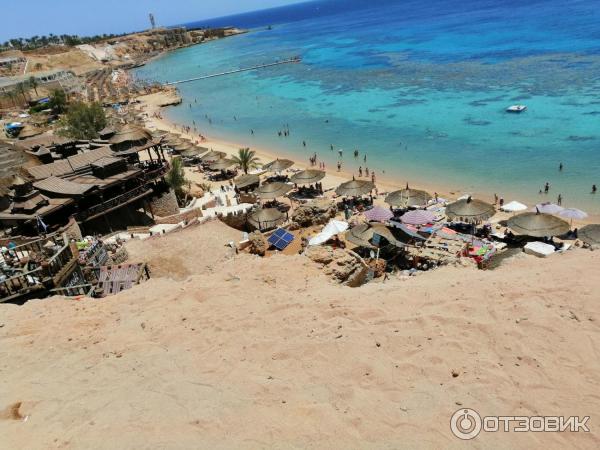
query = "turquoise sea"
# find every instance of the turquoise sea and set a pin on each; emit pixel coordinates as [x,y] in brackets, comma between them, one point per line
[421,87]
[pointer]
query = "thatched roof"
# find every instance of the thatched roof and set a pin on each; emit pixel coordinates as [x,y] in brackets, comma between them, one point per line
[246,180]
[309,176]
[537,224]
[271,191]
[279,165]
[130,133]
[470,210]
[263,219]
[408,197]
[355,188]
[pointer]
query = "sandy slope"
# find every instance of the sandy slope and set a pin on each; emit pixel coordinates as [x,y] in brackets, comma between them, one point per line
[258,353]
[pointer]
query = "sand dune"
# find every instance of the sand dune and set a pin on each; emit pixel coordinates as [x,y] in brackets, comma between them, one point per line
[267,353]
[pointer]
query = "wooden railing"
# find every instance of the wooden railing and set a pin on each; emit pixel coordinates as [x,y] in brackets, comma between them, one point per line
[20,284]
[74,291]
[112,203]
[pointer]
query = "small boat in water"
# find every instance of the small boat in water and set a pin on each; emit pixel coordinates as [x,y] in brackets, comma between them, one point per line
[516,108]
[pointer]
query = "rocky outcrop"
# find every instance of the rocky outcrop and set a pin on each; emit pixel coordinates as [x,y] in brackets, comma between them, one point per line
[258,244]
[343,266]
[318,212]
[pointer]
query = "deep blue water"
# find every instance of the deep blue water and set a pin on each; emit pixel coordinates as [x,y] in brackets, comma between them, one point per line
[419,86]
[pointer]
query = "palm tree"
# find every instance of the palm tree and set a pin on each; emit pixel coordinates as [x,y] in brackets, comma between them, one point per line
[33,84]
[246,159]
[176,180]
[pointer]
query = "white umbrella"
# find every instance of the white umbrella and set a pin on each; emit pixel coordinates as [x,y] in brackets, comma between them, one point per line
[547,208]
[334,227]
[573,214]
[514,206]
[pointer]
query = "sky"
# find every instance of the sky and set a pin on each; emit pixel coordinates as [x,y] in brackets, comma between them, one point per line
[90,17]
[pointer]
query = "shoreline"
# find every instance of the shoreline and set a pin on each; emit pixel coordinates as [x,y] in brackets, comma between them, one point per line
[385,183]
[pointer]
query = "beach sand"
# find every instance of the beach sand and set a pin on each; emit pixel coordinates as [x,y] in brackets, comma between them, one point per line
[245,352]
[151,104]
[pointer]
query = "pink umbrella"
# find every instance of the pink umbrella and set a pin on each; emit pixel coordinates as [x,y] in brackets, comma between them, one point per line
[378,214]
[418,217]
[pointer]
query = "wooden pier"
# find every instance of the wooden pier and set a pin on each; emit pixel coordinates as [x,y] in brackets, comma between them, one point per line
[293,60]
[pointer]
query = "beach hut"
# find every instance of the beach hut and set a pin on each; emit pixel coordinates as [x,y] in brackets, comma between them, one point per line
[270,191]
[408,197]
[355,188]
[279,165]
[266,219]
[470,210]
[537,224]
[307,177]
[590,234]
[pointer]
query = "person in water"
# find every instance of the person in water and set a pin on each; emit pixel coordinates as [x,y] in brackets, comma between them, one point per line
[594,189]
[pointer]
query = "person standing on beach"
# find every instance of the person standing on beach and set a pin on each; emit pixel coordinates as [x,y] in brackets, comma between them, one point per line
[559,199]
[495,199]
[373,177]
[360,171]
[339,166]
[546,187]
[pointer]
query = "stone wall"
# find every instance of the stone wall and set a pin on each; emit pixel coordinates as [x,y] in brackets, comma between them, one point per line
[177,218]
[165,205]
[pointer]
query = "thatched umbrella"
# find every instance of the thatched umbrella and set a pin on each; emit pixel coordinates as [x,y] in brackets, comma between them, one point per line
[213,156]
[245,181]
[182,147]
[538,224]
[470,210]
[279,165]
[590,234]
[309,176]
[192,152]
[271,191]
[221,164]
[130,133]
[263,219]
[362,235]
[408,197]
[355,188]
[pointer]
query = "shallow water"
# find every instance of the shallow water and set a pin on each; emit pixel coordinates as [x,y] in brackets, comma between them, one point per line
[420,88]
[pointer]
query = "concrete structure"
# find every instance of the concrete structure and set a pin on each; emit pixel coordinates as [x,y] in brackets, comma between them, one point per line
[64,79]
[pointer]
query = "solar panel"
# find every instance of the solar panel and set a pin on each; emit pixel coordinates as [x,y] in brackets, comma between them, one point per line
[280,239]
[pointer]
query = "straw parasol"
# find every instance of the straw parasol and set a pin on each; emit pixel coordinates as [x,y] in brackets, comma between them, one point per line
[355,188]
[130,133]
[590,234]
[182,147]
[538,224]
[470,210]
[271,191]
[378,214]
[408,197]
[279,165]
[418,217]
[246,181]
[362,235]
[192,152]
[263,219]
[221,164]
[213,156]
[309,176]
